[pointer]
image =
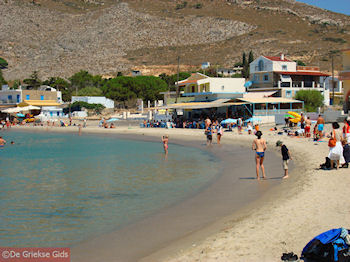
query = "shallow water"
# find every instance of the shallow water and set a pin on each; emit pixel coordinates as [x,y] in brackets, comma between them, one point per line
[59,189]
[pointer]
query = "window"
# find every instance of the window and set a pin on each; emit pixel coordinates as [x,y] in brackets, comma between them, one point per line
[266,77]
[58,113]
[288,93]
[284,67]
[42,97]
[27,97]
[261,65]
[9,97]
[222,88]
[18,98]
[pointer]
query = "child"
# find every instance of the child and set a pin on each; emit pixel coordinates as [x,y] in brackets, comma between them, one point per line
[285,157]
[165,140]
[346,153]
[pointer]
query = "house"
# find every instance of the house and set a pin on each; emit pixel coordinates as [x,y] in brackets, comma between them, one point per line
[136,73]
[228,72]
[205,88]
[43,96]
[345,77]
[107,103]
[205,65]
[271,73]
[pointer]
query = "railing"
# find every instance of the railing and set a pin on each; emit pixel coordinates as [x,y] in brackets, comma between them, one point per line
[298,84]
[264,112]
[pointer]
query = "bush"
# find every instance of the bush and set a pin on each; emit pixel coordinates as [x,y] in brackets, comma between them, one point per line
[3,63]
[335,40]
[78,105]
[198,6]
[181,6]
[312,99]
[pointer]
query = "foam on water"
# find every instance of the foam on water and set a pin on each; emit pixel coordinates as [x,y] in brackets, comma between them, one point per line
[59,189]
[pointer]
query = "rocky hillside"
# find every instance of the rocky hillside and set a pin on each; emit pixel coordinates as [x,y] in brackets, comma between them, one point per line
[61,37]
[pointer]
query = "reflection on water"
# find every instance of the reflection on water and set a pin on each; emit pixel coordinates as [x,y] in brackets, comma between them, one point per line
[58,189]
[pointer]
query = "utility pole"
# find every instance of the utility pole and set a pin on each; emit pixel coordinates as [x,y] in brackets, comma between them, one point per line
[333,82]
[177,81]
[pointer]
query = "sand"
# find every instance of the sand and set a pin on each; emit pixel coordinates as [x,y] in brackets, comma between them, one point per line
[283,220]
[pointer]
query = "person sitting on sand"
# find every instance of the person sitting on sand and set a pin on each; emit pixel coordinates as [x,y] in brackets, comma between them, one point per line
[285,157]
[259,145]
[112,126]
[165,140]
[2,142]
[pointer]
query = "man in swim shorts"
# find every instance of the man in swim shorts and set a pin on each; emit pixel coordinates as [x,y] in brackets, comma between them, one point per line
[259,145]
[320,125]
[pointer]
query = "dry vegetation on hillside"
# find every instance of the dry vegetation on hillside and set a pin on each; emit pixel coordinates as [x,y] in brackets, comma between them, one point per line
[61,37]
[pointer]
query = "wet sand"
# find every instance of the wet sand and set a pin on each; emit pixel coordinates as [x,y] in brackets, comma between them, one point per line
[234,192]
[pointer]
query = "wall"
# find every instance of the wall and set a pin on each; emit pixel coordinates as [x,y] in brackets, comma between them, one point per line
[36,95]
[225,85]
[4,96]
[108,103]
[291,66]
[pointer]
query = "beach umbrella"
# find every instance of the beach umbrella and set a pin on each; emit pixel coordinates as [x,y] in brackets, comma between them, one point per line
[288,115]
[20,115]
[27,108]
[248,84]
[228,121]
[112,120]
[11,110]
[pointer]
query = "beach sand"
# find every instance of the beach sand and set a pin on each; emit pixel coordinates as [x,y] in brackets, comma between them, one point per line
[283,220]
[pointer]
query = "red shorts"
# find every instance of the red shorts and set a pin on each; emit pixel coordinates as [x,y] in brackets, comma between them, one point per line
[307,129]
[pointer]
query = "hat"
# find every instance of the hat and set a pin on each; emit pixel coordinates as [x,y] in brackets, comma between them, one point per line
[279,143]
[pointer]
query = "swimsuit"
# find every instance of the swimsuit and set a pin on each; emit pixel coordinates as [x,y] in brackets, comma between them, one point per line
[320,127]
[260,154]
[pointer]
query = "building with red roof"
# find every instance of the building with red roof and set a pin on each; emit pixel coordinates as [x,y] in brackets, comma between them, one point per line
[282,75]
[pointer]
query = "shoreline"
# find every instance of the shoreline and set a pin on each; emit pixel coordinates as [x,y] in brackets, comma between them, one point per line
[283,220]
[194,208]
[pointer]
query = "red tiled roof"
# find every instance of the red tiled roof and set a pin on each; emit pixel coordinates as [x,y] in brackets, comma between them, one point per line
[277,58]
[302,73]
[188,82]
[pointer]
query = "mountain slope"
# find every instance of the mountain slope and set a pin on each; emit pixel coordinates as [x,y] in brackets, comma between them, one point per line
[59,37]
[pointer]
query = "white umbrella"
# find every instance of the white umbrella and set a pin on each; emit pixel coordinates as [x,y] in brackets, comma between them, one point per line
[27,108]
[11,110]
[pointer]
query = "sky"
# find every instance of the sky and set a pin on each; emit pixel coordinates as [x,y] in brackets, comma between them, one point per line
[340,6]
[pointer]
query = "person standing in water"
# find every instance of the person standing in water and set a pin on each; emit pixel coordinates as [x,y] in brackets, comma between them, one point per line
[165,140]
[2,142]
[259,145]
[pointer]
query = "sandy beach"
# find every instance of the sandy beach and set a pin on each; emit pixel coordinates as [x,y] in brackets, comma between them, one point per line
[284,219]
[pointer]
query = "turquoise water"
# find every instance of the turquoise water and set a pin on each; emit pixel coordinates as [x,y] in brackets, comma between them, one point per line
[59,189]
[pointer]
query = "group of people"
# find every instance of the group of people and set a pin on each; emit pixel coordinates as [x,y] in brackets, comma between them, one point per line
[211,128]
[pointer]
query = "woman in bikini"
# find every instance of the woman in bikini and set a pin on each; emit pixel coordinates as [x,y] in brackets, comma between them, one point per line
[165,140]
[259,145]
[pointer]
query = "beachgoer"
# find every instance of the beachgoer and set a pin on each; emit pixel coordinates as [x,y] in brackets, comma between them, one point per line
[308,127]
[346,130]
[250,127]
[302,122]
[165,140]
[12,142]
[209,134]
[336,152]
[259,145]
[112,126]
[207,122]
[285,157]
[2,142]
[239,125]
[219,133]
[320,125]
[79,128]
[84,122]
[346,154]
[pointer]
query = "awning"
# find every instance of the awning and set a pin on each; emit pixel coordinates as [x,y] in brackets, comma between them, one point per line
[41,102]
[197,105]
[268,100]
[285,78]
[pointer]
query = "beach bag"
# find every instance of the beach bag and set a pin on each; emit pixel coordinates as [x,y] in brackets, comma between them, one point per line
[332,141]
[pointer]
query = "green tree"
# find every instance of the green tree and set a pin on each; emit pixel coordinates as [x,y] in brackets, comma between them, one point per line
[78,105]
[3,63]
[312,99]
[300,63]
[83,79]
[16,84]
[251,57]
[61,85]
[33,81]
[90,91]
[118,90]
[172,79]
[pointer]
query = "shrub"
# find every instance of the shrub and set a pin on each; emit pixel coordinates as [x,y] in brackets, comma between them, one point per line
[312,99]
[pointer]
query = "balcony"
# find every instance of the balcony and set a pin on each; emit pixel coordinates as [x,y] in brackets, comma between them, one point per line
[298,84]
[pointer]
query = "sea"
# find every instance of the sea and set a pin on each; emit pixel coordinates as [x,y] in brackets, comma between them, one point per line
[60,189]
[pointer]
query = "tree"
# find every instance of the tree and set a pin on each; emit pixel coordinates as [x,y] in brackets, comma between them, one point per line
[114,89]
[245,70]
[16,84]
[2,80]
[312,99]
[33,81]
[172,79]
[90,91]
[83,79]
[251,57]
[3,63]
[61,85]
[300,63]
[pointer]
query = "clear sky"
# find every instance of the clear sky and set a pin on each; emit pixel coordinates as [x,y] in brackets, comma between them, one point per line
[340,6]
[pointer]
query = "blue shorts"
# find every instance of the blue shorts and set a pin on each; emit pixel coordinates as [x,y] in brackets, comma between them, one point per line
[320,127]
[260,154]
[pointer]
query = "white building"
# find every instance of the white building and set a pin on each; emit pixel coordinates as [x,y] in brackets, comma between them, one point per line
[108,103]
[270,73]
[205,88]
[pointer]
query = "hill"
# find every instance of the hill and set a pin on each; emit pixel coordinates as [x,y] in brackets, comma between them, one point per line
[61,37]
